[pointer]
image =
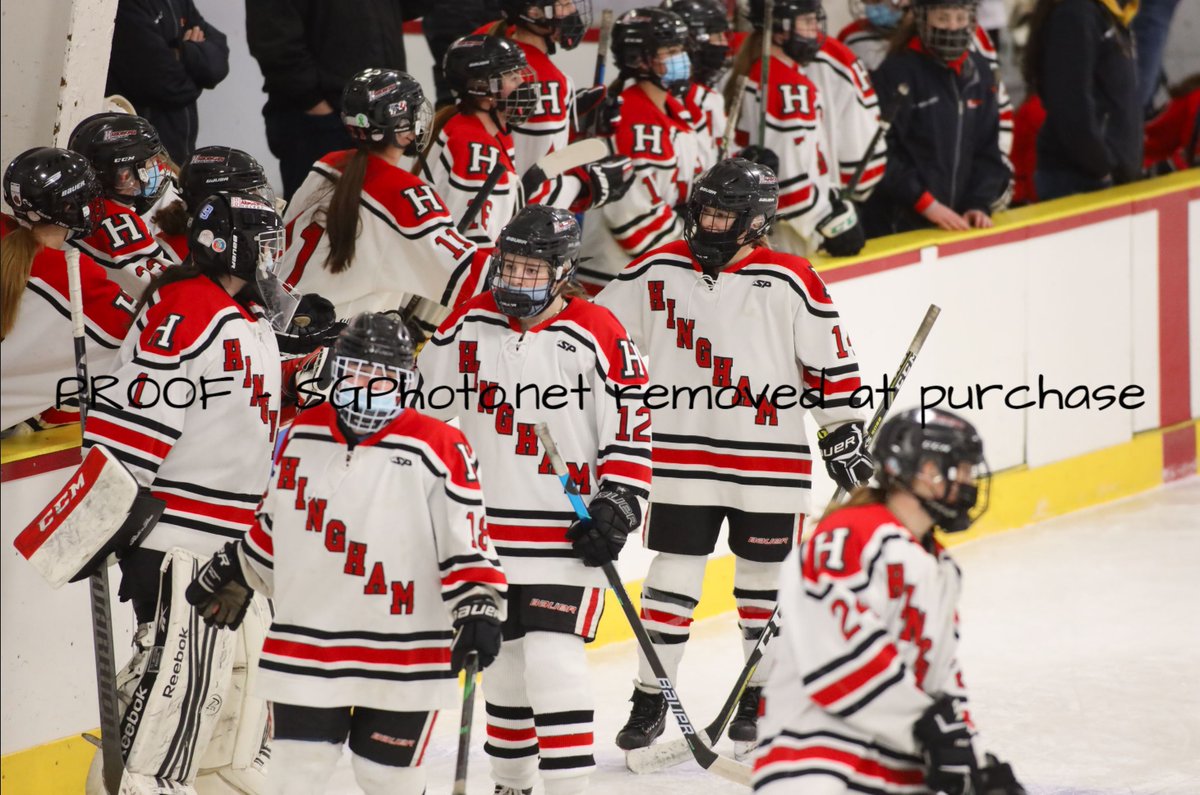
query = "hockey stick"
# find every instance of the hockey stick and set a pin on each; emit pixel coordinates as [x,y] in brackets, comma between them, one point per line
[764,80]
[102,636]
[659,757]
[580,153]
[707,758]
[735,112]
[885,124]
[470,673]
[606,26]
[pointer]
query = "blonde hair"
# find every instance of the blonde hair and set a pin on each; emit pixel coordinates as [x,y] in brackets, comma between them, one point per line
[17,252]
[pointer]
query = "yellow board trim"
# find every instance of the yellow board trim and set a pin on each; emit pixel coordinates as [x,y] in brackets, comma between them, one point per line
[18,448]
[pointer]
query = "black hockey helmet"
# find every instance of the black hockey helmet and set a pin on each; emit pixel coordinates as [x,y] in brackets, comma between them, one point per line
[212,169]
[127,155]
[637,37]
[374,366]
[799,45]
[945,27]
[478,67]
[45,185]
[380,104]
[537,232]
[749,192]
[705,19]
[909,440]
[558,22]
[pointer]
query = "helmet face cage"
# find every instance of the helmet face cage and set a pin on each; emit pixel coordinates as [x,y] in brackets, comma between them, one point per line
[947,43]
[367,394]
[704,21]
[567,20]
[639,35]
[524,285]
[798,45]
[521,102]
[744,193]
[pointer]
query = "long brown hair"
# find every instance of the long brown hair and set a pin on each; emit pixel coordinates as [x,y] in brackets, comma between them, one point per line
[342,223]
[862,495]
[903,34]
[173,218]
[17,251]
[750,50]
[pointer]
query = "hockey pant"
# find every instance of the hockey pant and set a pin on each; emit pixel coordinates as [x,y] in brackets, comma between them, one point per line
[185,697]
[386,749]
[539,713]
[670,594]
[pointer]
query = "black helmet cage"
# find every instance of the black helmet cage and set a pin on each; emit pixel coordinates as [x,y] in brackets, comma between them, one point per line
[237,233]
[906,442]
[380,104]
[476,67]
[945,43]
[45,185]
[639,34]
[113,142]
[799,48]
[537,232]
[375,353]
[704,19]
[558,28]
[747,189]
[222,168]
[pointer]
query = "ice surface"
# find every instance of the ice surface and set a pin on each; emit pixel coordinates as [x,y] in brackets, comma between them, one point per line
[1081,643]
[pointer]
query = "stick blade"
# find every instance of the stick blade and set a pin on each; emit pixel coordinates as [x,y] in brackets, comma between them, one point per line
[661,756]
[733,771]
[580,153]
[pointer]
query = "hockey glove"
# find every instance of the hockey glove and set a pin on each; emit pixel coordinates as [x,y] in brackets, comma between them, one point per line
[841,229]
[220,592]
[997,778]
[846,458]
[476,629]
[615,514]
[596,113]
[949,757]
[314,325]
[606,180]
[761,155]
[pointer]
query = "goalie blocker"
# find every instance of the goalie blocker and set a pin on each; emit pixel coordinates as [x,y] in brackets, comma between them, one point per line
[100,511]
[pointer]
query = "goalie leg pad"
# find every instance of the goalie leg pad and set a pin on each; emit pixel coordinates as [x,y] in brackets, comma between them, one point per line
[178,701]
[670,594]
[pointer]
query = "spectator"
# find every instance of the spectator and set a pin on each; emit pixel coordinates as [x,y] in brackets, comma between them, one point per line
[1080,61]
[945,167]
[1173,138]
[163,55]
[1150,29]
[443,24]
[308,50]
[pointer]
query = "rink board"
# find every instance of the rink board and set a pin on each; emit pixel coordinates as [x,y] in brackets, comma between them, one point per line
[1102,289]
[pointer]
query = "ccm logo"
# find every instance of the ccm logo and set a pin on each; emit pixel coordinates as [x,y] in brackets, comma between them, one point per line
[63,503]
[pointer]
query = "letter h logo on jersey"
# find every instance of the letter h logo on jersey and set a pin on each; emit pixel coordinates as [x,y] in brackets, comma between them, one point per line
[795,99]
[547,101]
[648,138]
[483,159]
[424,201]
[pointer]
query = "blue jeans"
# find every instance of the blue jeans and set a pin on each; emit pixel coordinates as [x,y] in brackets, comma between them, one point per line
[1056,183]
[1151,27]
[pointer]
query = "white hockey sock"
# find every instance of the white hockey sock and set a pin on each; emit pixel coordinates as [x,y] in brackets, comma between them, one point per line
[511,739]
[300,767]
[377,779]
[670,594]
[756,590]
[556,680]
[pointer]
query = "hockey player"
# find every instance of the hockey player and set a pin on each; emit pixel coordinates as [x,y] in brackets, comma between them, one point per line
[131,164]
[655,131]
[946,169]
[735,333]
[814,214]
[866,693]
[364,232]
[210,169]
[509,351]
[708,49]
[379,507]
[54,195]
[192,413]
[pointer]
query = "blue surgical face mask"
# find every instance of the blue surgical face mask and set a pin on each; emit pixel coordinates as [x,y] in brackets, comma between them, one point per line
[883,15]
[678,70]
[152,177]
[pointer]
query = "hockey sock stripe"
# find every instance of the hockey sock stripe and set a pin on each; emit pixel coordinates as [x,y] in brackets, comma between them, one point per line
[578,763]
[755,596]
[580,716]
[510,753]
[682,600]
[508,713]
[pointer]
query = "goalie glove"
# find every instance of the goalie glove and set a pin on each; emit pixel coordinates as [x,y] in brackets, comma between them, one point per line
[615,513]
[314,325]
[949,756]
[841,229]
[604,181]
[220,592]
[476,629]
[846,458]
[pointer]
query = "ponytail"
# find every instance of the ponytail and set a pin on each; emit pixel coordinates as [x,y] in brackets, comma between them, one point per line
[499,29]
[341,219]
[173,219]
[751,48]
[17,251]
[862,495]
[440,120]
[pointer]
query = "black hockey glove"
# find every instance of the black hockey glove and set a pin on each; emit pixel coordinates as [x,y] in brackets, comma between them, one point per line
[607,180]
[997,778]
[846,458]
[841,229]
[761,155]
[596,113]
[314,325]
[220,592]
[615,514]
[949,757]
[476,629]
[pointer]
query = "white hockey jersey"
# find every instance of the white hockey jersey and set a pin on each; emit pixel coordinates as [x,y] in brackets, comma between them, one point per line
[125,248]
[39,350]
[795,111]
[407,245]
[580,373]
[732,360]
[666,158]
[365,550]
[192,411]
[868,639]
[706,106]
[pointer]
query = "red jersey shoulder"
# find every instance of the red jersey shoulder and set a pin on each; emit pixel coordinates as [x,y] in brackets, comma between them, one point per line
[857,27]
[174,245]
[472,151]
[408,198]
[184,316]
[844,62]
[611,339]
[984,45]
[838,51]
[121,230]
[791,94]
[836,546]
[447,443]
[799,268]
[484,302]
